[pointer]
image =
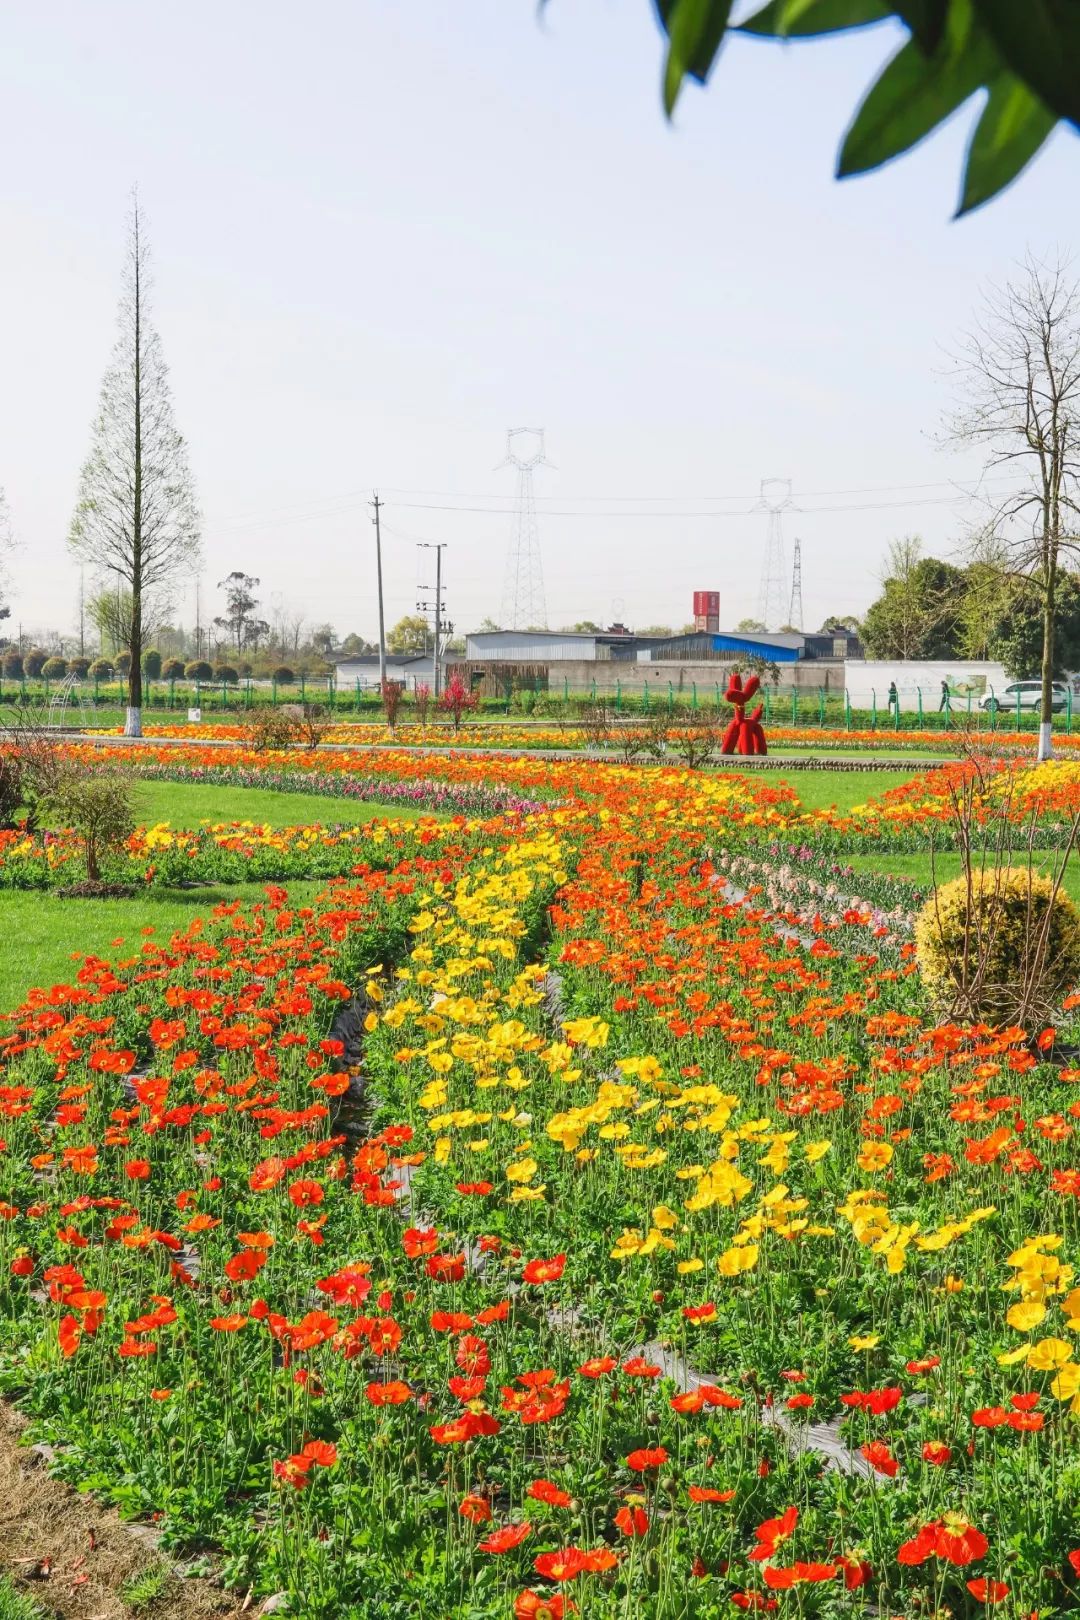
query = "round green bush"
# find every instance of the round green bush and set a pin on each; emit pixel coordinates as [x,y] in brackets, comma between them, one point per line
[172,669]
[226,673]
[101,669]
[199,670]
[54,669]
[283,675]
[34,662]
[12,664]
[151,664]
[991,951]
[79,667]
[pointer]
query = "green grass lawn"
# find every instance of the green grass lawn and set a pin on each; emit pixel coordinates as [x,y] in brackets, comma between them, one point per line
[818,790]
[917,867]
[184,805]
[44,931]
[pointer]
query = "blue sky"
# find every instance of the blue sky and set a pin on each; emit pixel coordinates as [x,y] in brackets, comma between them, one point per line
[384,233]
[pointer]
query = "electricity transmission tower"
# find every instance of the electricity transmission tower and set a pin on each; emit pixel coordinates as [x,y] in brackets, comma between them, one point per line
[795,616]
[523,601]
[772,596]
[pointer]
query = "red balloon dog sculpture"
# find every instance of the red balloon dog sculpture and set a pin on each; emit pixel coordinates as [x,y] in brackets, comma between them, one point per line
[744,735]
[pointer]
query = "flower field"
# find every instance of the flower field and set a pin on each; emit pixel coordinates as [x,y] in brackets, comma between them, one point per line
[558,1215]
[567,734]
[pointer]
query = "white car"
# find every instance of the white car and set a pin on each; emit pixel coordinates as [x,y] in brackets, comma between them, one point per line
[1028,694]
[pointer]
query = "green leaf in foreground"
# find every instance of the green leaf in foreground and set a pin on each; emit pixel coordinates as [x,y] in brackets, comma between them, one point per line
[803,19]
[1013,126]
[914,94]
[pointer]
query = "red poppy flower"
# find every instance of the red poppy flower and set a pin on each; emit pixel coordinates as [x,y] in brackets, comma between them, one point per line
[880,1458]
[228,1324]
[782,1579]
[958,1542]
[530,1605]
[137,1169]
[545,1271]
[799,1403]
[706,1493]
[638,1367]
[877,1401]
[69,1335]
[418,1240]
[951,1538]
[986,1590]
[690,1400]
[598,1560]
[989,1417]
[472,1355]
[632,1521]
[771,1532]
[700,1313]
[565,1565]
[856,1572]
[22,1266]
[927,1364]
[646,1457]
[323,1452]
[466,1389]
[394,1393]
[545,1490]
[598,1366]
[446,1267]
[505,1539]
[294,1471]
[753,1600]
[475,1509]
[937,1453]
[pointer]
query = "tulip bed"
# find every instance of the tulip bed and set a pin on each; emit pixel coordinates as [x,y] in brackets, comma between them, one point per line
[568,734]
[541,1223]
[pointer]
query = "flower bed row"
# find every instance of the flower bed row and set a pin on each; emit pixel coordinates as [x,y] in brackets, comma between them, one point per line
[392,1360]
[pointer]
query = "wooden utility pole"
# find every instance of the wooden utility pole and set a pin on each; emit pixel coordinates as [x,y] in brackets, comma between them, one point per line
[376,503]
[426,607]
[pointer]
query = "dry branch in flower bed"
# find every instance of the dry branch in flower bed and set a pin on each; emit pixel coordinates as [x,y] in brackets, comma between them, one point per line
[407,1348]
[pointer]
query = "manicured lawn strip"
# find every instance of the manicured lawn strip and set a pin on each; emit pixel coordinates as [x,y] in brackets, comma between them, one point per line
[819,790]
[42,931]
[916,866]
[184,804]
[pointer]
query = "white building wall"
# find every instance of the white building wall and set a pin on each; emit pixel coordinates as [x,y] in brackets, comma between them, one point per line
[528,647]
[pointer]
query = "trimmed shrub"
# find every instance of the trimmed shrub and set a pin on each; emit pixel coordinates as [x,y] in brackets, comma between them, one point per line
[79,667]
[12,664]
[151,664]
[172,669]
[271,727]
[283,675]
[1005,949]
[123,663]
[54,669]
[199,670]
[226,673]
[98,806]
[34,662]
[101,669]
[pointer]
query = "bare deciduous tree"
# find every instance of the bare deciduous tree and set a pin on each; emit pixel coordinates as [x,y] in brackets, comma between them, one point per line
[1019,370]
[136,519]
